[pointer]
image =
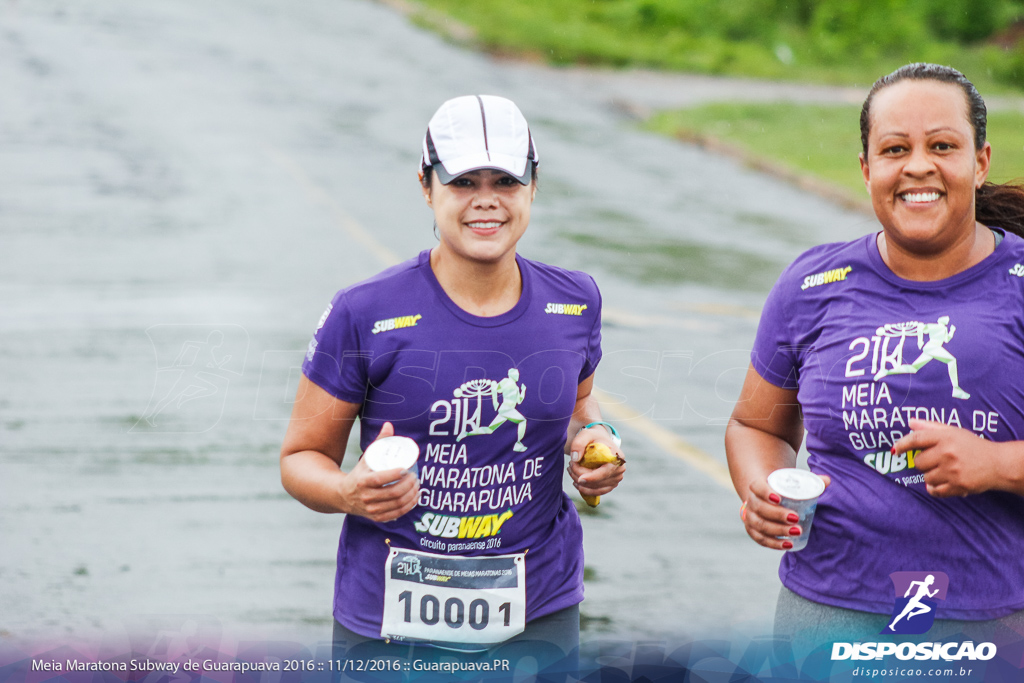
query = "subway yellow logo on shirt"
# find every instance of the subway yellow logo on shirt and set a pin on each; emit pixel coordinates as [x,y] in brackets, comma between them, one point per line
[396,323]
[827,277]
[479,526]
[566,309]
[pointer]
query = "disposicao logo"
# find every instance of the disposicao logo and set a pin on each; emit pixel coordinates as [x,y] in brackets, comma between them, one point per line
[917,594]
[947,652]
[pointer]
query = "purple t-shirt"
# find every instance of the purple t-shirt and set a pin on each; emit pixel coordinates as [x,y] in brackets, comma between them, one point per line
[868,350]
[488,401]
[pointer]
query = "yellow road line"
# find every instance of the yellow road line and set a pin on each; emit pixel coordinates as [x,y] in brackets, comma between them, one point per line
[664,438]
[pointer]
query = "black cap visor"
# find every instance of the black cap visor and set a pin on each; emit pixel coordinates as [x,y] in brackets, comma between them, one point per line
[445,177]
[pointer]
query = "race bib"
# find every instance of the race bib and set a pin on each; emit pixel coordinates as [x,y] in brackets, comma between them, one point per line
[476,601]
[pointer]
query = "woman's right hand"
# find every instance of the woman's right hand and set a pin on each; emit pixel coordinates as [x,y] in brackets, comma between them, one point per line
[379,496]
[765,519]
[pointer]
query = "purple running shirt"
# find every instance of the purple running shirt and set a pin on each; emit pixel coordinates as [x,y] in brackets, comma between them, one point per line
[488,401]
[868,350]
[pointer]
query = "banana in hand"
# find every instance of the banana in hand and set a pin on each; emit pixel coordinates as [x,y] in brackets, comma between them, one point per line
[595,455]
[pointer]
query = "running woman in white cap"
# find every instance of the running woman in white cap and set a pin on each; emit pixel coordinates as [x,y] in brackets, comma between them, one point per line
[483,552]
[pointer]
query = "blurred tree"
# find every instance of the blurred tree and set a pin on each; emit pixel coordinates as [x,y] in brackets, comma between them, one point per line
[966,21]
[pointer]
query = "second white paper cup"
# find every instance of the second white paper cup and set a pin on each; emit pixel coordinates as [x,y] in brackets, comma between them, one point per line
[799,490]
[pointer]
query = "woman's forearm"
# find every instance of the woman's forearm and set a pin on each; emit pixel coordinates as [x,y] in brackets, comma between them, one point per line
[314,480]
[753,454]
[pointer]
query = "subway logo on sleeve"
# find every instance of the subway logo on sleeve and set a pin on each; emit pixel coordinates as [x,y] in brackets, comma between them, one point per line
[395,323]
[566,309]
[826,277]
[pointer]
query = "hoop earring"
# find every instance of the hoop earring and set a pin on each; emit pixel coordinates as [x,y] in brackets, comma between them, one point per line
[436,235]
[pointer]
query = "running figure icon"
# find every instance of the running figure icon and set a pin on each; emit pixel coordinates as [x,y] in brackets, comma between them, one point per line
[914,606]
[939,333]
[196,364]
[512,394]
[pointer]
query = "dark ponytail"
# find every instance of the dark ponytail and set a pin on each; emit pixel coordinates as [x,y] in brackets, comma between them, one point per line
[1000,206]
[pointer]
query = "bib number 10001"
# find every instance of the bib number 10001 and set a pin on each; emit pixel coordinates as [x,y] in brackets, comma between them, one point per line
[454,611]
[453,599]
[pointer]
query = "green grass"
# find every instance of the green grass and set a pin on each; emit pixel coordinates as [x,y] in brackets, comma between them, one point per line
[851,42]
[822,141]
[824,41]
[1006,133]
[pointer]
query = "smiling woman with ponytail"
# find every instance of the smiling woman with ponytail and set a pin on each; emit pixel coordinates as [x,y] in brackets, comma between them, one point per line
[997,206]
[928,323]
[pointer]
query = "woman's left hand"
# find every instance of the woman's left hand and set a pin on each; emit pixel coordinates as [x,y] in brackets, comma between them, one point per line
[605,478]
[954,461]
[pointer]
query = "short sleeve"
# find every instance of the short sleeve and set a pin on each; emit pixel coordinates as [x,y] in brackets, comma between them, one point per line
[774,355]
[593,350]
[334,359]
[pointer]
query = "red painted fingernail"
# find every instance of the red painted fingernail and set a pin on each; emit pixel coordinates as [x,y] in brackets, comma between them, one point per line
[892,450]
[794,531]
[792,517]
[775,498]
[787,545]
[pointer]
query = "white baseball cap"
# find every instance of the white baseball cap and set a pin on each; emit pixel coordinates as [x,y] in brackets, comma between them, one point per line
[475,132]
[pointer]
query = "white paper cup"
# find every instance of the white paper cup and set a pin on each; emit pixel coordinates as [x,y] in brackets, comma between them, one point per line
[800,490]
[392,452]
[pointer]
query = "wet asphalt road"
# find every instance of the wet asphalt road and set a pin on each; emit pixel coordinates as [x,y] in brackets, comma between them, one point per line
[184,185]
